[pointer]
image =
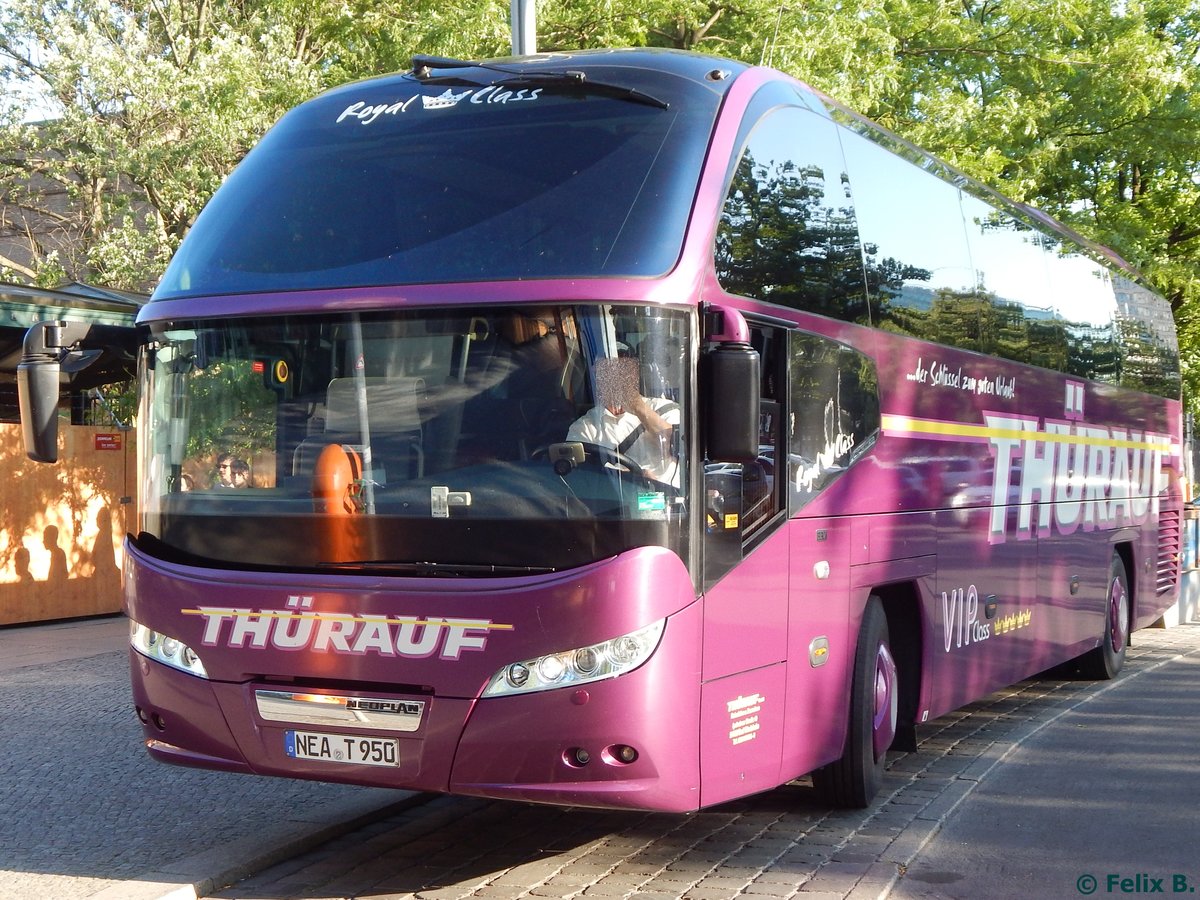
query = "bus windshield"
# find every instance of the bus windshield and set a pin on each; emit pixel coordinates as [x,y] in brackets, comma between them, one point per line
[399,181]
[428,442]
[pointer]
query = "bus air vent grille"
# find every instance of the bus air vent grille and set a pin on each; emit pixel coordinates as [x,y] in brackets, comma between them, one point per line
[1168,550]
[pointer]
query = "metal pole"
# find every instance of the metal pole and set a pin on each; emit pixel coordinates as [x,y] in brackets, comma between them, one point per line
[524,27]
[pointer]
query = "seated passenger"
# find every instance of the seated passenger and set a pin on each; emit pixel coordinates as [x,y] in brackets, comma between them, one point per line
[232,472]
[638,427]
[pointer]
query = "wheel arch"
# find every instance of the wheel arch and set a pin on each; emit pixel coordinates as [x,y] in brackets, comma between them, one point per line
[1125,552]
[902,607]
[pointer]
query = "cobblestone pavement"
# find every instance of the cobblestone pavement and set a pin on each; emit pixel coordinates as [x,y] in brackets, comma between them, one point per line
[87,812]
[780,844]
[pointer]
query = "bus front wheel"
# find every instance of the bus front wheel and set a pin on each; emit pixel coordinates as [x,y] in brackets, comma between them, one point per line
[1106,660]
[853,780]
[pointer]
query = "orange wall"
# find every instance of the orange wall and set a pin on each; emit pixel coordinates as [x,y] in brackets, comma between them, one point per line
[62,524]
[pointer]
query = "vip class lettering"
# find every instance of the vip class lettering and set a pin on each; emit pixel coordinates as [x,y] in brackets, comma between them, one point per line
[961,626]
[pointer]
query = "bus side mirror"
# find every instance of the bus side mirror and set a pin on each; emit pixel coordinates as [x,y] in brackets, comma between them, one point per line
[729,384]
[38,377]
[47,346]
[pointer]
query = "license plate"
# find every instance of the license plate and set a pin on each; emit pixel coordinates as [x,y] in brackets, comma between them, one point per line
[342,748]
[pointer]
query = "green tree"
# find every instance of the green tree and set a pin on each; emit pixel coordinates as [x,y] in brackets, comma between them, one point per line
[156,102]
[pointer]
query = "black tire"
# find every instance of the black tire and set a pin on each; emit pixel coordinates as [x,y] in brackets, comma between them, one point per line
[1106,661]
[853,781]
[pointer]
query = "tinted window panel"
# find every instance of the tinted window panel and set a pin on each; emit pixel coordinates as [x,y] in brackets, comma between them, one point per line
[787,233]
[1020,306]
[834,413]
[1147,338]
[919,270]
[944,265]
[454,184]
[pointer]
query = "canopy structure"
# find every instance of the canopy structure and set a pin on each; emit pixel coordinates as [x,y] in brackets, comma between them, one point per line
[22,306]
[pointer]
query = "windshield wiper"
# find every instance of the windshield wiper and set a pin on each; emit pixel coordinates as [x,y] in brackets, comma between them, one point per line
[425,66]
[433,568]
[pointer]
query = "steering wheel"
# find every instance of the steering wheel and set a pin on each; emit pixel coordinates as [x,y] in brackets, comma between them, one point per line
[605,455]
[597,454]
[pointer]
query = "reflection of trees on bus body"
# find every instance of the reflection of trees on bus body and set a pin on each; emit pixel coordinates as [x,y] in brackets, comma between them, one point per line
[793,232]
[785,240]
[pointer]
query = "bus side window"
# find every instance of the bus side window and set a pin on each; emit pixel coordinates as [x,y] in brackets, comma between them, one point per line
[744,500]
[833,413]
[788,232]
[762,491]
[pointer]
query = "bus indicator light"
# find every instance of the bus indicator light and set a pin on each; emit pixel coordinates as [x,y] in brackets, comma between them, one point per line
[517,675]
[818,652]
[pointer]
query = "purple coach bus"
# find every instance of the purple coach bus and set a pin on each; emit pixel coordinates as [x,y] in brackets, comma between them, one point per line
[627,429]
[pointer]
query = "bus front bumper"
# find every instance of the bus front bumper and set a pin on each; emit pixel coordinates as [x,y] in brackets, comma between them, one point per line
[623,743]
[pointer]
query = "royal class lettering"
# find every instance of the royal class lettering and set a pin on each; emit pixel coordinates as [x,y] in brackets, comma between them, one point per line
[343,633]
[1065,476]
[366,113]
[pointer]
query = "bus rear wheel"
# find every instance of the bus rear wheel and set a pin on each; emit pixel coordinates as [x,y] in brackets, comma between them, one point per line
[1106,660]
[853,780]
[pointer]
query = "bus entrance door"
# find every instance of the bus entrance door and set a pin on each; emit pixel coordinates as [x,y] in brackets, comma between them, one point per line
[742,695]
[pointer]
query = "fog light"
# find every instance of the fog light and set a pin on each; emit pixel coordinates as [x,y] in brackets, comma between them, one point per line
[623,754]
[582,757]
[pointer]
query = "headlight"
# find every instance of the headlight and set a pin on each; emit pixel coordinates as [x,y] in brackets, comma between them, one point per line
[580,666]
[165,649]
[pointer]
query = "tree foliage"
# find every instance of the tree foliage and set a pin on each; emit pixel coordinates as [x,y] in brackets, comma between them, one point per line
[1087,108]
[152,104]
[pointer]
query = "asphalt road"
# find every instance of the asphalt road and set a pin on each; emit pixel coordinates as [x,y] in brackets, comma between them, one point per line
[1103,803]
[86,812]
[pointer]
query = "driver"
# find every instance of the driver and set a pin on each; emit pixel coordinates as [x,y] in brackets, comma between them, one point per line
[637,427]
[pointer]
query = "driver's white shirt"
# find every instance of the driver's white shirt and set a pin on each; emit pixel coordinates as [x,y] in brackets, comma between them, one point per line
[599,426]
